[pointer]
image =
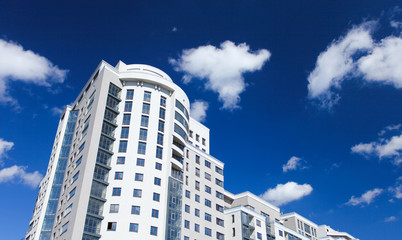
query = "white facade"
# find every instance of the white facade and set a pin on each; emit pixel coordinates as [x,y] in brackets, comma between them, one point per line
[128,162]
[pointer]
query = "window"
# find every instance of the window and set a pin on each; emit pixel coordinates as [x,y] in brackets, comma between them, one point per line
[186,224]
[158,166]
[197,198]
[118,175]
[68,210]
[186,238]
[208,231]
[121,160]
[114,208]
[116,192]
[197,172]
[139,177]
[207,176]
[156,197]
[207,164]
[207,189]
[72,193]
[207,203]
[130,94]
[203,141]
[126,119]
[258,222]
[128,106]
[133,227]
[123,146]
[137,193]
[85,128]
[143,134]
[142,147]
[81,147]
[220,236]
[64,228]
[160,139]
[280,233]
[187,208]
[145,108]
[187,194]
[233,219]
[157,181]
[218,182]
[147,97]
[219,208]
[220,222]
[144,121]
[140,162]
[197,159]
[154,231]
[90,102]
[196,227]
[191,133]
[219,195]
[197,185]
[135,210]
[197,137]
[162,113]
[155,213]
[75,177]
[208,217]
[219,170]
[124,132]
[197,212]
[78,162]
[161,126]
[111,226]
[163,101]
[159,152]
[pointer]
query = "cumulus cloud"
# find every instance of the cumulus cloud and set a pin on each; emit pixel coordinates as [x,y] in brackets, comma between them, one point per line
[221,68]
[366,198]
[389,129]
[293,164]
[198,110]
[336,62]
[18,64]
[285,193]
[384,63]
[355,55]
[390,219]
[383,148]
[16,173]
[4,147]
[19,174]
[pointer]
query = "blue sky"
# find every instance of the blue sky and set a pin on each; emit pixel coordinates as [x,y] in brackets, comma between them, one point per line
[302,97]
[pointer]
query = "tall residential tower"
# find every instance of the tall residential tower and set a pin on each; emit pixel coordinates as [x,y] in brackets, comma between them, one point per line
[128,162]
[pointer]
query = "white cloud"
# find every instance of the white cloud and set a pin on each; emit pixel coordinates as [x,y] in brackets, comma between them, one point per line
[285,193]
[397,189]
[336,62]
[18,173]
[367,197]
[4,147]
[57,110]
[221,68]
[293,164]
[356,55]
[382,148]
[390,219]
[17,64]
[198,110]
[389,128]
[384,63]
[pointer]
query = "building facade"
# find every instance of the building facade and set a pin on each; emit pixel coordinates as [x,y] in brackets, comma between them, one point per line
[128,162]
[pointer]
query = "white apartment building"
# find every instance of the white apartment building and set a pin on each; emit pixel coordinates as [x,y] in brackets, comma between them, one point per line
[128,162]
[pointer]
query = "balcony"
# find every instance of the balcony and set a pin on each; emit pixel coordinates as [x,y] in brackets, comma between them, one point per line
[177,162]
